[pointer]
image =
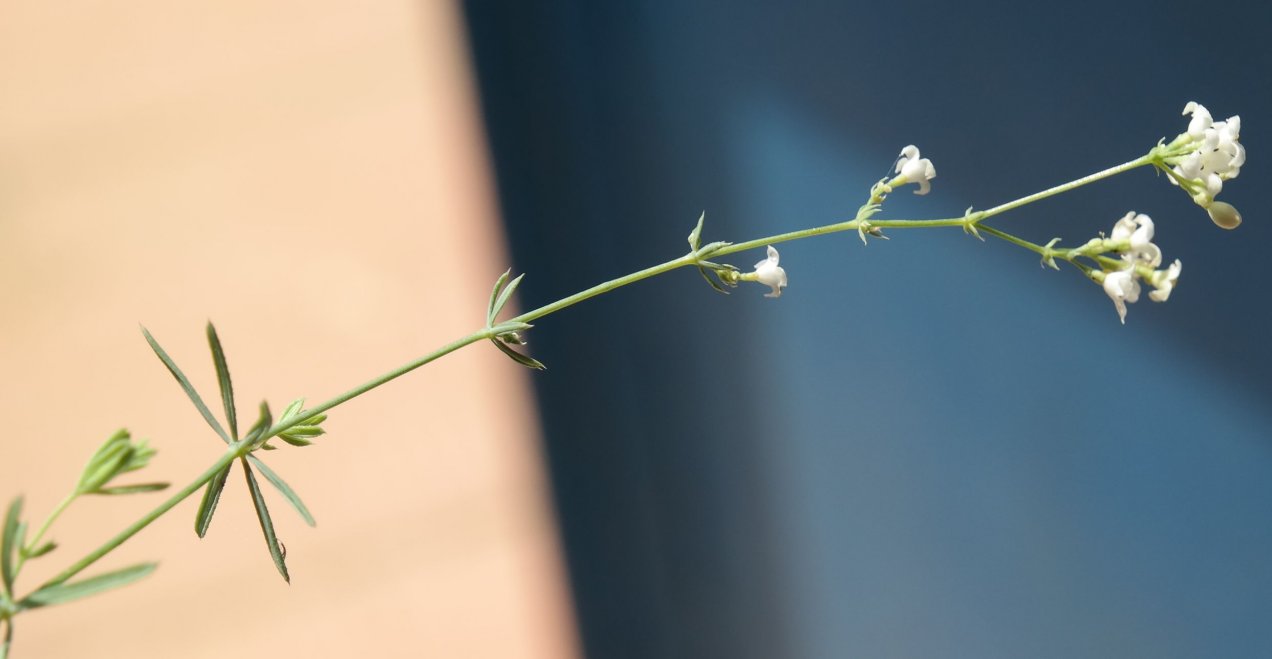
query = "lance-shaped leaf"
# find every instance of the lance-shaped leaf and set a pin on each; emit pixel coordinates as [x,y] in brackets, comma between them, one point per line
[304,430]
[211,497]
[267,523]
[703,271]
[66,592]
[524,360]
[9,544]
[494,295]
[131,489]
[696,234]
[282,487]
[223,379]
[43,549]
[185,384]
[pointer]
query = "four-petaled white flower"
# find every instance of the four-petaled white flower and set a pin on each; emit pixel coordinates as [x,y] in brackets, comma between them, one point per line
[1122,288]
[913,169]
[1217,155]
[1133,237]
[1164,281]
[769,273]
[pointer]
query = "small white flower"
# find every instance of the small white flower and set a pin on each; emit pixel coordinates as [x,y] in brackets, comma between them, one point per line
[769,273]
[1137,229]
[1164,281]
[1217,156]
[1122,288]
[913,169]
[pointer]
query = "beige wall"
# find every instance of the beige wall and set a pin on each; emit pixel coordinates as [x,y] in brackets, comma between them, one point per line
[311,176]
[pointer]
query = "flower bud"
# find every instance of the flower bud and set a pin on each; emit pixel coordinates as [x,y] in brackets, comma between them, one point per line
[1224,215]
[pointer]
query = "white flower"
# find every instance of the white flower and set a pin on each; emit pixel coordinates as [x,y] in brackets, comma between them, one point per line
[1122,288]
[1217,153]
[769,273]
[1132,236]
[1164,281]
[1137,229]
[912,169]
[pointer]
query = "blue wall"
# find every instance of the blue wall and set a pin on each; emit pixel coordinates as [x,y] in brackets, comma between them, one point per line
[929,446]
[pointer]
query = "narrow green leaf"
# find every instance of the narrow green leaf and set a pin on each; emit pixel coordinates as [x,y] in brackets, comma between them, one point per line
[66,592]
[8,544]
[504,296]
[294,441]
[292,409]
[494,294]
[211,497]
[263,422]
[131,489]
[282,487]
[39,551]
[223,379]
[7,640]
[267,524]
[185,384]
[695,235]
[524,360]
[714,284]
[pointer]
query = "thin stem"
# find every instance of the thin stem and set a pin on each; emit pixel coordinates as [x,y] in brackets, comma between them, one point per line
[235,450]
[239,449]
[1065,187]
[48,522]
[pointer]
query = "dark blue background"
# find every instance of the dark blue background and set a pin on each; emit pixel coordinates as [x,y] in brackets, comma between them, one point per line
[928,446]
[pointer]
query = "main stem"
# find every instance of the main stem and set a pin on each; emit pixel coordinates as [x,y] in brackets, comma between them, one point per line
[241,448]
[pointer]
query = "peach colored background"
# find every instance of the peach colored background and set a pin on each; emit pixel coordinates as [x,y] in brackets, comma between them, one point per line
[311,176]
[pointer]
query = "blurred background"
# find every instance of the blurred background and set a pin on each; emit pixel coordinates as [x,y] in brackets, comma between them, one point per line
[926,447]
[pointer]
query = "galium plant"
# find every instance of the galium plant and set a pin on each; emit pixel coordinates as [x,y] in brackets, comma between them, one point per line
[1198,161]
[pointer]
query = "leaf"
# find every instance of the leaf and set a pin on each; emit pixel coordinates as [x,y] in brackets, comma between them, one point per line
[66,592]
[494,295]
[263,423]
[282,487]
[211,497]
[524,360]
[8,544]
[695,235]
[131,489]
[185,384]
[714,284]
[39,551]
[267,524]
[504,296]
[223,379]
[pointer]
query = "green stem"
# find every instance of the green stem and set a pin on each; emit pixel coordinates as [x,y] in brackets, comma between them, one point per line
[235,450]
[240,448]
[1051,192]
[48,522]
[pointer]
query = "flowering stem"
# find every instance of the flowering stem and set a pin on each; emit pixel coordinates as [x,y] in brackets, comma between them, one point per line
[239,449]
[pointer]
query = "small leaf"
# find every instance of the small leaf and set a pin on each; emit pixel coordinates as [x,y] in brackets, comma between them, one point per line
[267,524]
[714,284]
[223,379]
[8,544]
[131,489]
[211,497]
[282,487]
[39,551]
[294,441]
[695,235]
[504,295]
[185,384]
[524,360]
[66,592]
[263,423]
[494,295]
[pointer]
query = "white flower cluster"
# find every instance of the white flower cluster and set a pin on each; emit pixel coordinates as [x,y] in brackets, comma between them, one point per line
[913,169]
[1217,153]
[1139,261]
